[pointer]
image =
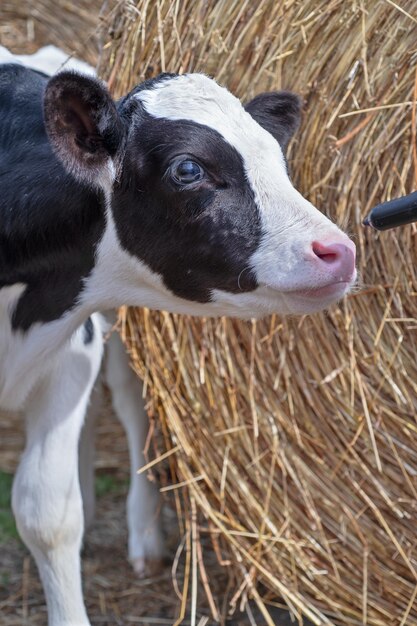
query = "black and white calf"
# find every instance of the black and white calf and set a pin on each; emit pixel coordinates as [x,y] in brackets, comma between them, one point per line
[176,197]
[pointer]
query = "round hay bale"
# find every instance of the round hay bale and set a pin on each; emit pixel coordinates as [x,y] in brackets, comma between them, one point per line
[294,440]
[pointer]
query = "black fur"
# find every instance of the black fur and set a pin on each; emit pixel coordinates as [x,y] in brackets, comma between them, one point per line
[82,123]
[49,222]
[278,112]
[197,238]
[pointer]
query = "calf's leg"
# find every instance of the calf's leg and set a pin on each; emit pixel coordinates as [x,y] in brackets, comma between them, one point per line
[46,492]
[146,546]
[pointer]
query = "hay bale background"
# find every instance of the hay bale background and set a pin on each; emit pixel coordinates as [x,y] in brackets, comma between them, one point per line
[297,438]
[26,25]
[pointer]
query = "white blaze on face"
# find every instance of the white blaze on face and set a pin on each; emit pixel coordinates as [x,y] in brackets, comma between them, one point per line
[289,223]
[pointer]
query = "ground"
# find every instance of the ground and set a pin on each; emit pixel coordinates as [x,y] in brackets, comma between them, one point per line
[114,596]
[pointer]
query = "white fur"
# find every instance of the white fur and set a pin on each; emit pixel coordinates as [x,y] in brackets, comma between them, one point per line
[46,494]
[28,356]
[145,539]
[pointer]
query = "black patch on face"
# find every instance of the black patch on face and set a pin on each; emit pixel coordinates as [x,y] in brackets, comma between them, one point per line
[88,332]
[49,222]
[198,238]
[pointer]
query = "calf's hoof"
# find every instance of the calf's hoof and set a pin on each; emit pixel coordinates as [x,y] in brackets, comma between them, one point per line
[148,567]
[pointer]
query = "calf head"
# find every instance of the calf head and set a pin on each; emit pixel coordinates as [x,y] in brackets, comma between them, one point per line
[204,213]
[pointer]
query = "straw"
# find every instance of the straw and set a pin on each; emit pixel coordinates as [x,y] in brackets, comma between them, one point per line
[314,498]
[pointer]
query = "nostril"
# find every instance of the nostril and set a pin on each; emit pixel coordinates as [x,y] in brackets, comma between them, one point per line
[339,257]
[327,253]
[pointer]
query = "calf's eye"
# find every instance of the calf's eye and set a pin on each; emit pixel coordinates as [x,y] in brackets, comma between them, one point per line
[186,172]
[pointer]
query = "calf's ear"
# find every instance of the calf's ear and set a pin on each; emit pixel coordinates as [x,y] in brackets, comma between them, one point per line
[83,126]
[279,112]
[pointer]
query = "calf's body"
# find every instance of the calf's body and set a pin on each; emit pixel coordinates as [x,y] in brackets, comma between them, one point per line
[176,197]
